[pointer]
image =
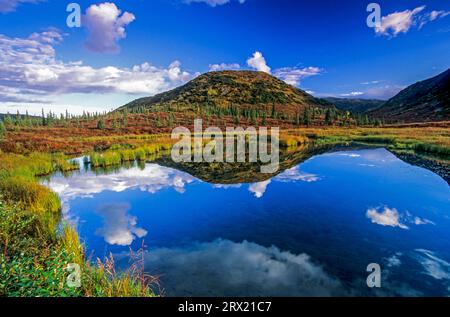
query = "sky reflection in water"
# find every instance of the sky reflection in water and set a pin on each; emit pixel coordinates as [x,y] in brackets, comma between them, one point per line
[311,230]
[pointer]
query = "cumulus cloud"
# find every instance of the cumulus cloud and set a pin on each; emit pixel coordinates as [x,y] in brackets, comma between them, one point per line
[293,75]
[258,62]
[391,217]
[11,5]
[290,75]
[152,179]
[258,189]
[224,66]
[401,22]
[213,3]
[29,69]
[106,25]
[398,22]
[226,268]
[119,228]
[387,217]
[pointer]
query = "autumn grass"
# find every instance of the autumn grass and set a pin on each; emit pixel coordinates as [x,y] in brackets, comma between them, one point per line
[34,249]
[118,156]
[429,140]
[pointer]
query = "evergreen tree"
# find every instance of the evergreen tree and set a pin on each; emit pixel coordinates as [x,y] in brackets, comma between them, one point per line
[8,121]
[328,117]
[2,130]
[307,116]
[101,124]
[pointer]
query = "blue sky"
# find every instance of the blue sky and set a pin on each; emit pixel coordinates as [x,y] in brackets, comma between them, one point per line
[128,49]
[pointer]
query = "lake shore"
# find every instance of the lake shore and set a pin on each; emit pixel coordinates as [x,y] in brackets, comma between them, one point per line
[32,241]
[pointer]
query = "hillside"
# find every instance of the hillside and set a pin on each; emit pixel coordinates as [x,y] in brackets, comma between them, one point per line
[355,105]
[427,100]
[231,89]
[13,115]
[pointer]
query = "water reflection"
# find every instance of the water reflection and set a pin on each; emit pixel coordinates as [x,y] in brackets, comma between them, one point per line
[310,230]
[119,227]
[226,268]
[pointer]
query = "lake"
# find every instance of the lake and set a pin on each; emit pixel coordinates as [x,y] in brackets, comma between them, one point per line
[310,230]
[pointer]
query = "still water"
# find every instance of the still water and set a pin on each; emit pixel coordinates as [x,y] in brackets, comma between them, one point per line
[311,230]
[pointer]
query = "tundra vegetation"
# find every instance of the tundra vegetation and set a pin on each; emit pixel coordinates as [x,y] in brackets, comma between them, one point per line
[35,248]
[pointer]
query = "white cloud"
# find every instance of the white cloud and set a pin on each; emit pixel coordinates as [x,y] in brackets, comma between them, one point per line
[353,94]
[349,154]
[295,174]
[388,217]
[119,228]
[434,266]
[401,22]
[226,186]
[213,3]
[259,188]
[224,66]
[258,62]
[293,75]
[394,260]
[152,179]
[373,82]
[106,25]
[398,22]
[433,15]
[290,75]
[29,70]
[11,5]
[227,268]
[419,221]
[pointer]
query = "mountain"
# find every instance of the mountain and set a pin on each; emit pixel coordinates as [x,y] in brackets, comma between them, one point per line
[230,88]
[356,105]
[427,100]
[13,115]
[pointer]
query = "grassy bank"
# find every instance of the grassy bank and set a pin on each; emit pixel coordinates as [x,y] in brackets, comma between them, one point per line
[117,155]
[35,250]
[427,140]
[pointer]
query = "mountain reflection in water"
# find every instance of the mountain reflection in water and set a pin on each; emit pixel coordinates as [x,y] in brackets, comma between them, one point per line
[310,230]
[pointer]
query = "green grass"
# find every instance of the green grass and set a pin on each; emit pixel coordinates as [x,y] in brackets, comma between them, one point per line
[431,148]
[120,155]
[34,253]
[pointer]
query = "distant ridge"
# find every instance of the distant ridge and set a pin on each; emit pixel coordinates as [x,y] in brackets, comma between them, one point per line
[356,105]
[427,100]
